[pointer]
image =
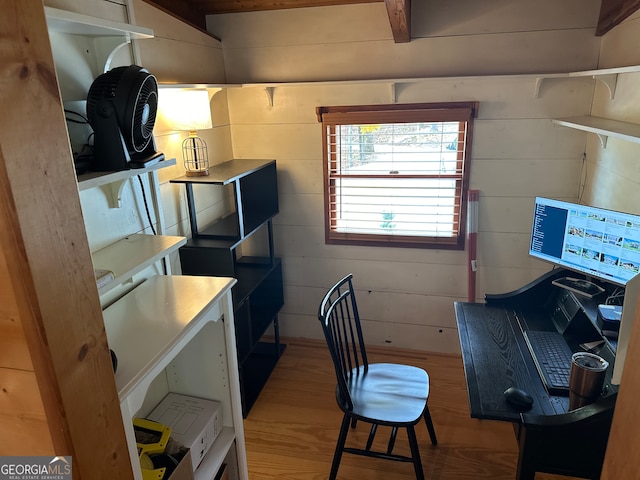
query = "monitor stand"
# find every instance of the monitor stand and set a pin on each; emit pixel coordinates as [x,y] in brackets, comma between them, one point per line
[579,286]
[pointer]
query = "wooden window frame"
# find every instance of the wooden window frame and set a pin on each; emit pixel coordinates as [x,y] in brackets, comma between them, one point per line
[332,116]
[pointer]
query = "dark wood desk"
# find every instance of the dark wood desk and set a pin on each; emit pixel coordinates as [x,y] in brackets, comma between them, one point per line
[551,438]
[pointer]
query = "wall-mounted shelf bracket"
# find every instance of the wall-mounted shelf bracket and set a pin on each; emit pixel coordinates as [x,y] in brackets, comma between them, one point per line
[608,76]
[610,80]
[540,80]
[269,91]
[603,139]
[536,92]
[113,46]
[112,183]
[113,192]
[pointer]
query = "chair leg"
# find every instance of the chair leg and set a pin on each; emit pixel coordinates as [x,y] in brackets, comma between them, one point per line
[392,440]
[372,434]
[415,452]
[432,431]
[342,438]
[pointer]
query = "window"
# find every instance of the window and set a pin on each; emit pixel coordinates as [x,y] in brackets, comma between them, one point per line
[397,175]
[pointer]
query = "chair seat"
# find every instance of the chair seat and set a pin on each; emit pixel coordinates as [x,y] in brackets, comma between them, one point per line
[388,394]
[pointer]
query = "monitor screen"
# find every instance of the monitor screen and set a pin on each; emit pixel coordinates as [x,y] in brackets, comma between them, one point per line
[599,243]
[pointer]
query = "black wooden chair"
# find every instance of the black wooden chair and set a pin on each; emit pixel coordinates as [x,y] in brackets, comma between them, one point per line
[392,395]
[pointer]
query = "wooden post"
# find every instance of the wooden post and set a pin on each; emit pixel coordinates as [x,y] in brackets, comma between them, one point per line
[57,388]
[621,460]
[472,235]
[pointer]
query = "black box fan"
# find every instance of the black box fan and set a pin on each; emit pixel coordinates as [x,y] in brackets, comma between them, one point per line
[121,107]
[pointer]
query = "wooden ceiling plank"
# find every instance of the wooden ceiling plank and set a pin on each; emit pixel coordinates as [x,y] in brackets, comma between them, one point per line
[400,18]
[236,6]
[183,11]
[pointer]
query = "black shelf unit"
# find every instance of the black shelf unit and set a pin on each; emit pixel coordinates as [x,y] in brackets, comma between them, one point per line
[258,296]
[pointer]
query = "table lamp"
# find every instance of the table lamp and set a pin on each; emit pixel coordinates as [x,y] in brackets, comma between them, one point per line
[192,112]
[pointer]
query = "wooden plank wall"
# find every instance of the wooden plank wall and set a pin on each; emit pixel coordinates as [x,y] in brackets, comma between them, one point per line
[613,181]
[612,177]
[448,39]
[22,415]
[321,43]
[407,295]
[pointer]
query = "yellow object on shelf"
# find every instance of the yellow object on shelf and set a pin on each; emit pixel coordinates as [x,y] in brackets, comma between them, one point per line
[160,434]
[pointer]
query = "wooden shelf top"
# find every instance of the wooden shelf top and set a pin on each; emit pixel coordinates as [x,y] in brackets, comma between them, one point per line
[147,327]
[226,172]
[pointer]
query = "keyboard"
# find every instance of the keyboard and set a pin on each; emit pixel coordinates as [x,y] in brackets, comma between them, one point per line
[552,357]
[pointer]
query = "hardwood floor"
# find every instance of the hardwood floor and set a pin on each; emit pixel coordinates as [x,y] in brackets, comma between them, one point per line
[292,429]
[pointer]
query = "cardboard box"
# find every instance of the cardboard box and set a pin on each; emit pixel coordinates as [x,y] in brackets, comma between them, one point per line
[223,473]
[184,470]
[194,422]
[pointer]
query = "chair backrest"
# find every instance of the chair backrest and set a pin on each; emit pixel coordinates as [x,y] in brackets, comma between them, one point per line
[338,315]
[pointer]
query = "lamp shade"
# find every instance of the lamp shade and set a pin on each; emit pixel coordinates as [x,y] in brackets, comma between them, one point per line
[186,110]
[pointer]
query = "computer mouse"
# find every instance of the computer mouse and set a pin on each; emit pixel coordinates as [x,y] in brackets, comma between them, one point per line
[518,397]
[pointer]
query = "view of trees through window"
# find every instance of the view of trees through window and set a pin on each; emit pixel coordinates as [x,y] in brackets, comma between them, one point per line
[395,175]
[397,178]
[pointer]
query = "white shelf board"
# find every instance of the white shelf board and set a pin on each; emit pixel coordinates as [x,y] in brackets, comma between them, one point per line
[402,80]
[606,75]
[149,326]
[214,458]
[78,24]
[133,254]
[606,71]
[97,179]
[199,86]
[603,127]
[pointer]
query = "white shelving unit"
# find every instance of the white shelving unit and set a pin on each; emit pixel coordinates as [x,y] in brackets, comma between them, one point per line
[170,333]
[159,325]
[603,127]
[608,76]
[112,36]
[115,180]
[63,21]
[132,254]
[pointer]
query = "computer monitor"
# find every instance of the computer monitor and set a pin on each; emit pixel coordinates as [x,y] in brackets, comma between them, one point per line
[602,244]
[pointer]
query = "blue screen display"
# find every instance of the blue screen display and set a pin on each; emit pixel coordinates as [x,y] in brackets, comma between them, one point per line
[600,243]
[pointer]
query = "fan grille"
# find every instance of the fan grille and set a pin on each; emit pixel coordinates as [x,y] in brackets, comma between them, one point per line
[133,92]
[144,114]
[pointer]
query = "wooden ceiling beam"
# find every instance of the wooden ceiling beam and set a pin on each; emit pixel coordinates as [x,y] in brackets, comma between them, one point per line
[400,18]
[613,12]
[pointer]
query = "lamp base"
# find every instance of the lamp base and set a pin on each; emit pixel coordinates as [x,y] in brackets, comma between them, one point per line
[197,173]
